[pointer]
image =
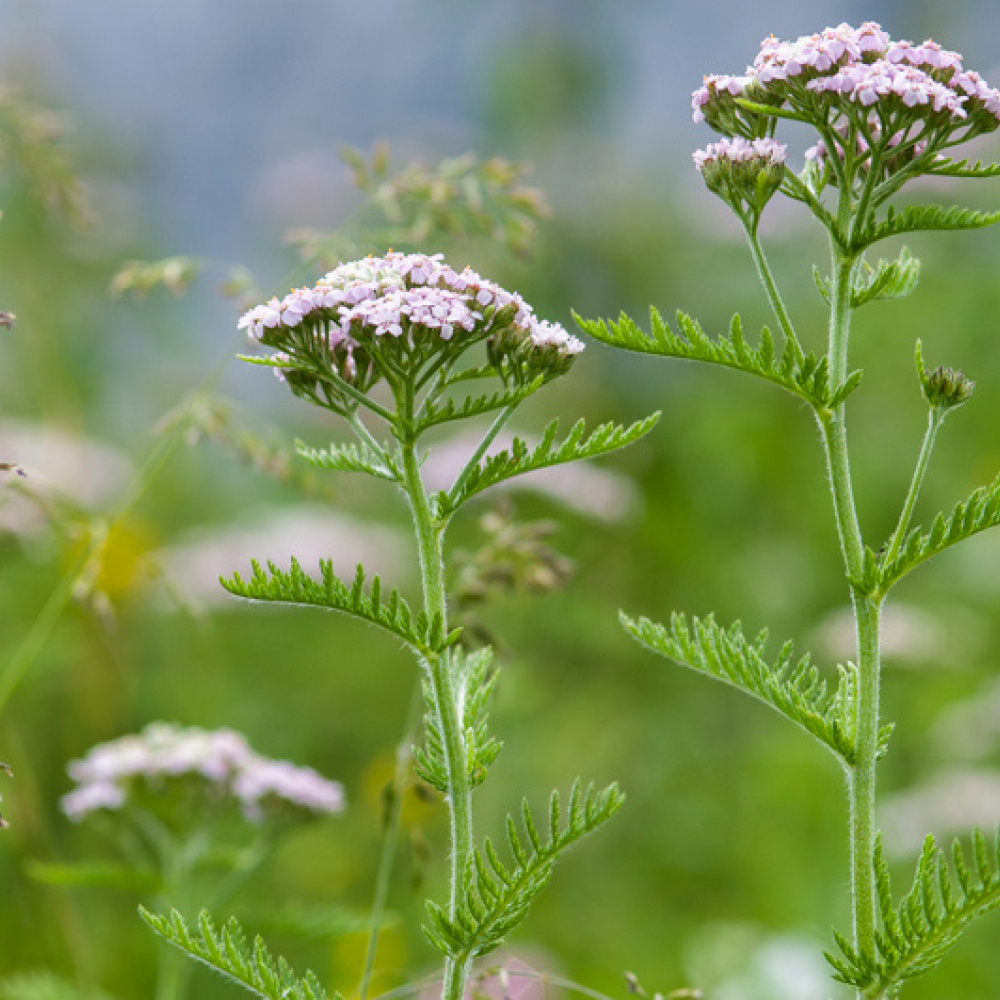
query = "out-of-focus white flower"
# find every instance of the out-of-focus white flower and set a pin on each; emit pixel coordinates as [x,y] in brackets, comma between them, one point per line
[948,803]
[970,729]
[309,531]
[221,759]
[59,464]
[736,961]
[599,493]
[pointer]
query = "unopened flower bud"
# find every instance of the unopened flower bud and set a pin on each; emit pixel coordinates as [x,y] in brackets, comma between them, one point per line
[945,388]
[744,173]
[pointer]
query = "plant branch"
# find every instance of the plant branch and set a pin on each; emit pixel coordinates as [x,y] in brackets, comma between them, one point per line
[473,463]
[767,279]
[935,418]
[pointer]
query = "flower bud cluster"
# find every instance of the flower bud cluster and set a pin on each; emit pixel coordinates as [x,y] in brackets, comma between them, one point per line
[857,85]
[744,173]
[946,388]
[219,764]
[407,306]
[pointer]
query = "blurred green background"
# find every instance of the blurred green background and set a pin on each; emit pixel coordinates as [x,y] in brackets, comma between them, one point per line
[212,130]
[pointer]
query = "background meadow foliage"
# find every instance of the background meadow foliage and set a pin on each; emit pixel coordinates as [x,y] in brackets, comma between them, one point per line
[725,869]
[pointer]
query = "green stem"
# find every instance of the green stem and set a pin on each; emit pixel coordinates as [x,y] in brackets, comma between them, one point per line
[867,609]
[390,840]
[934,420]
[429,539]
[833,422]
[767,279]
[490,437]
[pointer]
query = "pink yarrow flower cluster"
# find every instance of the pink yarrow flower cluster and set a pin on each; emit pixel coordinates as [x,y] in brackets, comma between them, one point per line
[744,173]
[221,759]
[863,65]
[397,295]
[739,150]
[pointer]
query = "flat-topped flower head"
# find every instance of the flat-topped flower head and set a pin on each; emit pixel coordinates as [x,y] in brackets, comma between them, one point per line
[744,173]
[215,766]
[885,106]
[382,317]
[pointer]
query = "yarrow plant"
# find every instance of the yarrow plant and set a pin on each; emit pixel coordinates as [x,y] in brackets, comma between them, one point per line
[194,813]
[392,345]
[883,113]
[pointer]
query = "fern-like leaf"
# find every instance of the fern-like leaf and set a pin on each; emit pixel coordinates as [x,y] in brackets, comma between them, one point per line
[350,458]
[228,952]
[442,412]
[963,168]
[792,686]
[981,510]
[389,611]
[496,895]
[914,936]
[918,218]
[472,679]
[887,280]
[522,458]
[803,375]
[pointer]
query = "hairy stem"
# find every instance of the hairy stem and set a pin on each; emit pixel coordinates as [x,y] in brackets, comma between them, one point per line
[430,544]
[861,778]
[934,420]
[767,280]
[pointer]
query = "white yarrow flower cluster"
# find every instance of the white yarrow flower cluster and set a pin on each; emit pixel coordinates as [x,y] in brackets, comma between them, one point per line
[221,759]
[413,298]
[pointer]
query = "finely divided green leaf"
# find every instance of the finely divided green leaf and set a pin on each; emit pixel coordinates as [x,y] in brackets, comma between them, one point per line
[388,611]
[804,375]
[981,510]
[472,679]
[441,412]
[522,458]
[792,686]
[963,168]
[916,218]
[228,952]
[887,280]
[913,937]
[496,895]
[350,458]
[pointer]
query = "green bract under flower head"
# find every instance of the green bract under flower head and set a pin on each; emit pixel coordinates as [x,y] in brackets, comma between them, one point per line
[387,318]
